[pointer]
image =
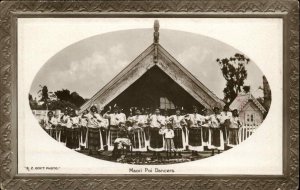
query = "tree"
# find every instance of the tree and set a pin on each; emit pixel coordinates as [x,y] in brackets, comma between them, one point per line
[43,93]
[235,73]
[66,95]
[61,105]
[77,99]
[32,102]
[63,94]
[56,100]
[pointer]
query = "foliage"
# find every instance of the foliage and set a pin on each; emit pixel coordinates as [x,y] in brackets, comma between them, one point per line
[61,105]
[43,93]
[73,97]
[235,73]
[57,100]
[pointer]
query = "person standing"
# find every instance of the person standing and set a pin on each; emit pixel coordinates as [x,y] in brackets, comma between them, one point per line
[205,123]
[83,122]
[147,116]
[194,132]
[72,131]
[216,140]
[233,129]
[114,119]
[50,123]
[178,123]
[95,137]
[61,129]
[137,133]
[121,115]
[185,128]
[168,134]
[225,122]
[157,121]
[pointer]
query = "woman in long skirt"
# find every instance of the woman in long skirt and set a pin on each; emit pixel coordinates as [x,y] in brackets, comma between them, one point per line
[83,129]
[50,123]
[185,128]
[233,129]
[157,121]
[95,136]
[225,122]
[216,140]
[195,132]
[72,132]
[178,123]
[138,137]
[205,123]
[147,116]
[61,128]
[114,119]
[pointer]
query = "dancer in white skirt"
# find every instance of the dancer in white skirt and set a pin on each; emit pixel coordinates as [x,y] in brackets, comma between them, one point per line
[216,140]
[178,123]
[114,120]
[205,123]
[83,122]
[147,116]
[137,133]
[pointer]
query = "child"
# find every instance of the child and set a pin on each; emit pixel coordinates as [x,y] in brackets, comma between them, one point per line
[168,135]
[233,129]
[216,140]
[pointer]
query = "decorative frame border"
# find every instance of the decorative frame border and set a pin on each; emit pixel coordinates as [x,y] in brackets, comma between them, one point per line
[288,10]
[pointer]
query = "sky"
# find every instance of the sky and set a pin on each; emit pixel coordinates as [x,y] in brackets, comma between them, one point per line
[86,66]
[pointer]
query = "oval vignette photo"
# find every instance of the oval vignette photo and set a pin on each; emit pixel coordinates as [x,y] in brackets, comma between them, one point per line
[150,96]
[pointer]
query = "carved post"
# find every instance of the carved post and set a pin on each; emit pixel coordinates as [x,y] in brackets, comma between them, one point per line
[155,40]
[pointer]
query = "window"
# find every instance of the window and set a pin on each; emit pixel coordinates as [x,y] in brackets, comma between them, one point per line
[165,103]
[250,118]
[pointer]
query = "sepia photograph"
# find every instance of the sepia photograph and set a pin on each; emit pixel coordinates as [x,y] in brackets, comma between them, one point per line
[150,96]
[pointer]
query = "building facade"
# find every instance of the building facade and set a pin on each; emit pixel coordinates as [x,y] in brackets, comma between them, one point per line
[155,79]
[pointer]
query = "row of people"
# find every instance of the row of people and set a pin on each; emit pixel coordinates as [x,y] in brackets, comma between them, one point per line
[144,132]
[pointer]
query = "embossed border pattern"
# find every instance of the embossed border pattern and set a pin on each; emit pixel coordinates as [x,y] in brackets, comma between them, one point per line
[7,52]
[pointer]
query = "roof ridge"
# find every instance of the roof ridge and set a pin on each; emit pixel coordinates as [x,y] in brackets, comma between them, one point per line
[119,75]
[192,76]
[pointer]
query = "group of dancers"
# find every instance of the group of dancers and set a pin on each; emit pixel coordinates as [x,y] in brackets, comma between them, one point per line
[142,131]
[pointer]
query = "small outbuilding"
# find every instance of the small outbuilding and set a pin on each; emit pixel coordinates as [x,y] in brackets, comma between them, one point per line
[251,112]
